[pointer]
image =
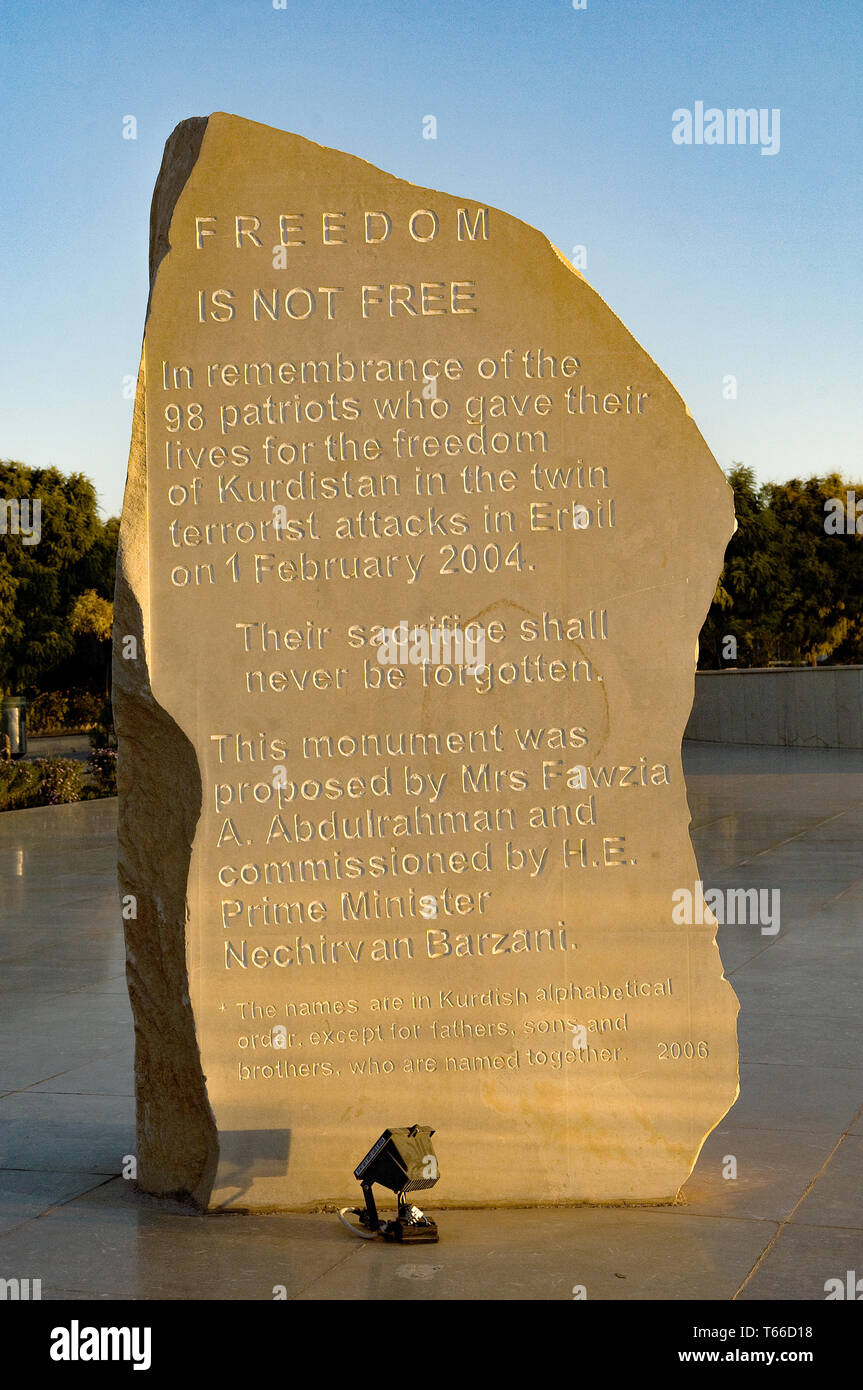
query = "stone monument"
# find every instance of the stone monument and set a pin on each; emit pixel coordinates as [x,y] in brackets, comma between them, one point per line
[416,545]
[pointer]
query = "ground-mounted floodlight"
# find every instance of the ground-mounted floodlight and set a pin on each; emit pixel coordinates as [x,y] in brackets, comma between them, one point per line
[404,1161]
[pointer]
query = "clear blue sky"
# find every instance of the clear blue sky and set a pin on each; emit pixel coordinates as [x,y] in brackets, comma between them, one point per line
[721,260]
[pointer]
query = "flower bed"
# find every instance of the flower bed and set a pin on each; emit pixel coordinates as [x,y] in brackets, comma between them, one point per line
[57,781]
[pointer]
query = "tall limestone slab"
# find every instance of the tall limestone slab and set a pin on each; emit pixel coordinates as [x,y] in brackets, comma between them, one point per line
[416,545]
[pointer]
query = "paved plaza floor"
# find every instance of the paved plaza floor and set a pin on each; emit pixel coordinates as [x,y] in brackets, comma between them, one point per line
[791,1219]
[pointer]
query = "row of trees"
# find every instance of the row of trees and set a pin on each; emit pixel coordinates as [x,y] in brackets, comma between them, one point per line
[55,594]
[790,591]
[792,587]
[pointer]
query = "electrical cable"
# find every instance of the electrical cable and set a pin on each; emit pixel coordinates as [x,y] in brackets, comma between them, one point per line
[355,1230]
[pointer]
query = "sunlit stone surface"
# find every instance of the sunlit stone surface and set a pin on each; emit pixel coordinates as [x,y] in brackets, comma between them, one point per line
[438,887]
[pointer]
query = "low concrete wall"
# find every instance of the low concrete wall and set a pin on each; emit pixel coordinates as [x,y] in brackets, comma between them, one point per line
[800,707]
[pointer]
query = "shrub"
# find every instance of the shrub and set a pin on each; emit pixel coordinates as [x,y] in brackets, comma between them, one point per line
[17,781]
[102,734]
[85,709]
[60,781]
[42,782]
[53,711]
[47,711]
[102,768]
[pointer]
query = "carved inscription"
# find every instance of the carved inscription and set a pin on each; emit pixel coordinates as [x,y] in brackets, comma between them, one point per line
[430,542]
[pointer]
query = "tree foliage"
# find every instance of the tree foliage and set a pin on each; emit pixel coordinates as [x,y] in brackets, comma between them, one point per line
[93,615]
[790,591]
[41,647]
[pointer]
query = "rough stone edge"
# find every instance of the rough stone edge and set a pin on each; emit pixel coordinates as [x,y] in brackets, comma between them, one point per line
[177,1140]
[192,1117]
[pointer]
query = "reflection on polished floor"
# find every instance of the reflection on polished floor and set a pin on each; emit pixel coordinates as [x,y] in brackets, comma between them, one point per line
[790,1220]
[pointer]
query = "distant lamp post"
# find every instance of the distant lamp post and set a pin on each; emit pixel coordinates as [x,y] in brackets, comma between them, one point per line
[13,726]
[404,1161]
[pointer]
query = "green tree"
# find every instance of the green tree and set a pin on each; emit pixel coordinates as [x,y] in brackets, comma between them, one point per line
[789,591]
[92,616]
[822,571]
[40,582]
[750,581]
